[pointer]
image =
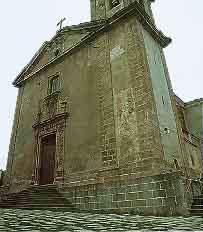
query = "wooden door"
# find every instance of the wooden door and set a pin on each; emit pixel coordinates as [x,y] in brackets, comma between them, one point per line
[47,168]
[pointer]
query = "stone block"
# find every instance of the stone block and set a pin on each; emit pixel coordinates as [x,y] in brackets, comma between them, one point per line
[124,204]
[159,193]
[140,203]
[140,195]
[131,196]
[148,194]
[119,197]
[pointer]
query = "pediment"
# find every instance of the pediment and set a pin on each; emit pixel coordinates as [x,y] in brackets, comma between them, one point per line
[57,46]
[50,50]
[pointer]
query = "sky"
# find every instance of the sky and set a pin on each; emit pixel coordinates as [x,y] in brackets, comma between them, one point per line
[25,25]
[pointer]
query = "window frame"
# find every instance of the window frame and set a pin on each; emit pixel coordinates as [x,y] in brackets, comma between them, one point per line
[50,89]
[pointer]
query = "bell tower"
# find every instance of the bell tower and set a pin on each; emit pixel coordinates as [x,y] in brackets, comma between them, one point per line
[139,33]
[103,9]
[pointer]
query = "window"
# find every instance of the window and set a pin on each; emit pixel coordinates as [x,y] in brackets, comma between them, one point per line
[53,84]
[114,3]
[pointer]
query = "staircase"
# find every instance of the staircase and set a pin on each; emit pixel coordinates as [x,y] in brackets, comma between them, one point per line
[197,206]
[36,197]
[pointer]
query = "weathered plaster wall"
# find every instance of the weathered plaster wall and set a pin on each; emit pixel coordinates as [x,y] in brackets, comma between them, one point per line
[82,132]
[194,114]
[13,134]
[137,138]
[194,118]
[190,160]
[22,146]
[167,123]
[93,138]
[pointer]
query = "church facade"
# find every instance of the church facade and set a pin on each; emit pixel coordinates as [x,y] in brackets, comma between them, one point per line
[97,116]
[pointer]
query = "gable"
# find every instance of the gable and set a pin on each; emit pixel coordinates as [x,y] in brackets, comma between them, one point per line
[56,47]
[50,50]
[76,36]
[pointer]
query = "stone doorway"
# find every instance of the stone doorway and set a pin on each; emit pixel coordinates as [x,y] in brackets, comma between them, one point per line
[54,127]
[47,159]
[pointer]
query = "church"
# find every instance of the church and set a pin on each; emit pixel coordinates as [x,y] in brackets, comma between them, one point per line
[96,116]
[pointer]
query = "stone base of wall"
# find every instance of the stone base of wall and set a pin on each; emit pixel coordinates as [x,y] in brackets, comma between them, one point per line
[159,195]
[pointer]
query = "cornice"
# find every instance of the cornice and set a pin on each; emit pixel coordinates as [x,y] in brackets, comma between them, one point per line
[56,118]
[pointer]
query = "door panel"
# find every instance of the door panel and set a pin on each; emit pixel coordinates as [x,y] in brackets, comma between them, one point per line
[48,151]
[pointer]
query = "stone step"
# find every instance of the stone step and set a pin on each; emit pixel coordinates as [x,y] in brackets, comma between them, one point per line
[197,207]
[197,201]
[40,197]
[196,212]
[6,206]
[42,187]
[8,199]
[40,193]
[29,204]
[38,206]
[43,205]
[8,203]
[49,201]
[45,196]
[52,208]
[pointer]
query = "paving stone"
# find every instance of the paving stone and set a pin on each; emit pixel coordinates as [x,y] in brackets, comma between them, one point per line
[44,220]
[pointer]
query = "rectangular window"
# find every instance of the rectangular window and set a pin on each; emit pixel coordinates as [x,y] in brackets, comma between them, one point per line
[53,84]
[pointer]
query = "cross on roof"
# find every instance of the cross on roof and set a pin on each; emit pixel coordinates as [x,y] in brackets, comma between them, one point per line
[60,23]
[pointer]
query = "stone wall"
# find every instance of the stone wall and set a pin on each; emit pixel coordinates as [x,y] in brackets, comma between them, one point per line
[190,159]
[111,191]
[137,134]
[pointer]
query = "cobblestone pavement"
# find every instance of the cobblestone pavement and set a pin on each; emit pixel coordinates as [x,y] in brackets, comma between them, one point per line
[38,220]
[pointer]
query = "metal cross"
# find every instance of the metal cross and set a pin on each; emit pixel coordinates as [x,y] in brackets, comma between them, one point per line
[60,23]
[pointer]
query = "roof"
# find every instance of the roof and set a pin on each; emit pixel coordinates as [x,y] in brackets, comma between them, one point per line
[79,27]
[190,103]
[97,27]
[194,102]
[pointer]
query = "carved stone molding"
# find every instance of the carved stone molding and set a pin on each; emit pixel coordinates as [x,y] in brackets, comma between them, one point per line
[55,125]
[57,45]
[51,106]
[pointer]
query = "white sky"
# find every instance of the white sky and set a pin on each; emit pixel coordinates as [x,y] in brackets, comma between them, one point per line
[25,25]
